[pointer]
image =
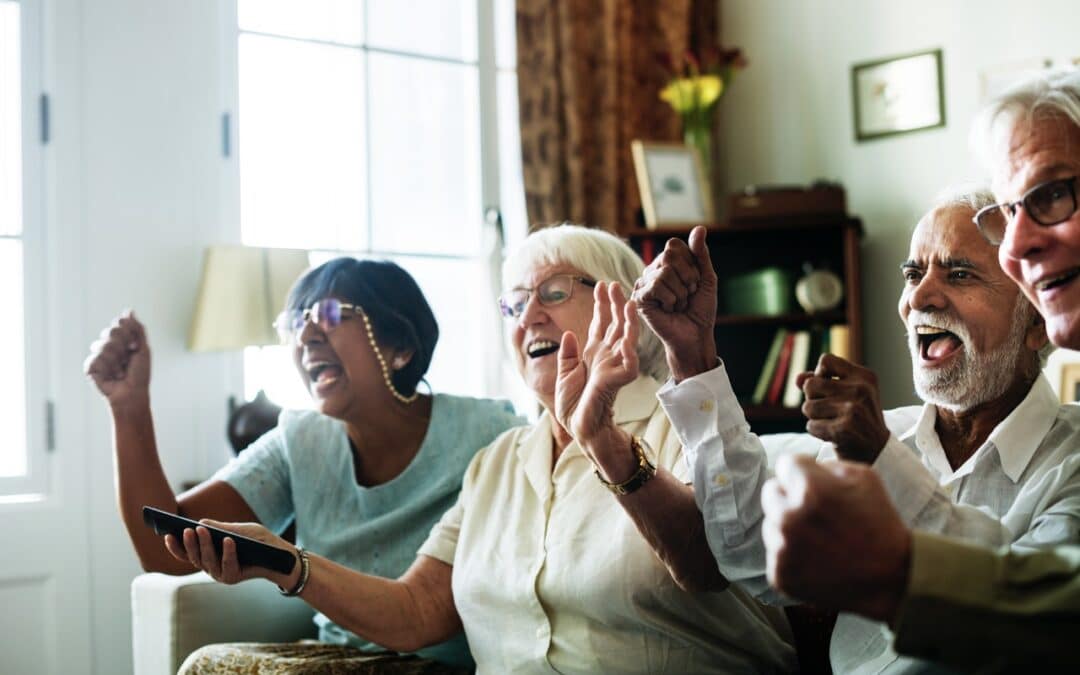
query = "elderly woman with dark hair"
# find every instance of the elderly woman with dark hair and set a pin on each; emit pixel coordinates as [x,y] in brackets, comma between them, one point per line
[575,545]
[365,475]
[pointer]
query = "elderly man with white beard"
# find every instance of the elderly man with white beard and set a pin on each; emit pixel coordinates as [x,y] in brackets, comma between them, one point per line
[988,458]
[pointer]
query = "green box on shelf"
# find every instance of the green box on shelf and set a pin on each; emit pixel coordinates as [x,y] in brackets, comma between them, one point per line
[767,291]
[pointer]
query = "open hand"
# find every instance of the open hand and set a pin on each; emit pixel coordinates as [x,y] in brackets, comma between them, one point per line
[676,295]
[843,406]
[589,379]
[119,361]
[197,548]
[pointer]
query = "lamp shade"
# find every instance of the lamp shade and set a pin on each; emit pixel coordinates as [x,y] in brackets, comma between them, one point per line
[241,292]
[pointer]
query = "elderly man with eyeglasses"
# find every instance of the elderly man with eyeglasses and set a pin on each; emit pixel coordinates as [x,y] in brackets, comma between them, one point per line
[833,538]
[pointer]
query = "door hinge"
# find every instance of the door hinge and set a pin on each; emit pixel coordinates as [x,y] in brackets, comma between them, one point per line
[50,426]
[226,135]
[44,114]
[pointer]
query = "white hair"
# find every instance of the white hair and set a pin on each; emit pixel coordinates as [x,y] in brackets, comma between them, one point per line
[973,196]
[598,255]
[1052,95]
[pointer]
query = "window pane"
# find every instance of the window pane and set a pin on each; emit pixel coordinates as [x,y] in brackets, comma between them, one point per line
[505,34]
[445,28]
[271,369]
[301,144]
[331,20]
[10,121]
[425,155]
[12,373]
[511,183]
[464,306]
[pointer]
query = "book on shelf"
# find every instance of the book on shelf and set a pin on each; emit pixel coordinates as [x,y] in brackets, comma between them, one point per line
[800,353]
[840,341]
[776,387]
[767,370]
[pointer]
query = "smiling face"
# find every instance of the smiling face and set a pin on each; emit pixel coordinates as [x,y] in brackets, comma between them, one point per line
[339,368]
[539,329]
[969,339]
[1043,260]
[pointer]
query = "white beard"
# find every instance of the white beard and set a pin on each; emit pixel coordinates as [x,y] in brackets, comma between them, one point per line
[975,377]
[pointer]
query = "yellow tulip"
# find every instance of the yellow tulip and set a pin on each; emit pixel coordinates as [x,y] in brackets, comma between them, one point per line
[687,94]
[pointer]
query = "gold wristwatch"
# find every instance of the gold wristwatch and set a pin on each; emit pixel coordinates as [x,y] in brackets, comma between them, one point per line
[644,472]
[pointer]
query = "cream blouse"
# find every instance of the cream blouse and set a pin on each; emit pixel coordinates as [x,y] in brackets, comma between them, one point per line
[551,574]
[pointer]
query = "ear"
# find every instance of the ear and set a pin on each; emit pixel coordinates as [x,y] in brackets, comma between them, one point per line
[402,358]
[1035,338]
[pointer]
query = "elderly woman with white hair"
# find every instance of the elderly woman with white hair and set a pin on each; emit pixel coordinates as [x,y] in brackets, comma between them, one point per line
[575,545]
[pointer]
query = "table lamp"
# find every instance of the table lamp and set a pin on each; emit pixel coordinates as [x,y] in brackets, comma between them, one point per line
[241,292]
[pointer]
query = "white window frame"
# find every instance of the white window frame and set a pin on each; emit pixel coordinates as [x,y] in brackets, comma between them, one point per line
[494,375]
[39,435]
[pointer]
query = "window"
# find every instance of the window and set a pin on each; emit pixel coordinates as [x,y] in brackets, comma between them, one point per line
[22,457]
[384,128]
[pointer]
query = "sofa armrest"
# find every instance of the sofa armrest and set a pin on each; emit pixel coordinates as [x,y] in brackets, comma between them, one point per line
[173,616]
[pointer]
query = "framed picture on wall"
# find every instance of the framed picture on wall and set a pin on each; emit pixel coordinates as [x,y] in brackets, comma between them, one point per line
[898,95]
[674,190]
[1070,382]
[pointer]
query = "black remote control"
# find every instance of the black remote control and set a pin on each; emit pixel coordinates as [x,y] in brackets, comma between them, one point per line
[248,551]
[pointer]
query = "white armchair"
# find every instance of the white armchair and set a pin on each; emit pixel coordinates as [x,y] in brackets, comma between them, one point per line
[173,616]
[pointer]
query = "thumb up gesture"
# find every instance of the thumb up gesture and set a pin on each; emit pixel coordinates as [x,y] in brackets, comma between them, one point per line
[676,295]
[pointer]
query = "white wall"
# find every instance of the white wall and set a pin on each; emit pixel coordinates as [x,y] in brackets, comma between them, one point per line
[788,118]
[133,180]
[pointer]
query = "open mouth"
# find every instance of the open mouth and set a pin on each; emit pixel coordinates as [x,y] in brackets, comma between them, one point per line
[538,348]
[323,371]
[936,343]
[1059,280]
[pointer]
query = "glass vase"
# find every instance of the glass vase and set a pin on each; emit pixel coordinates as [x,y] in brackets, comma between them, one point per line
[697,134]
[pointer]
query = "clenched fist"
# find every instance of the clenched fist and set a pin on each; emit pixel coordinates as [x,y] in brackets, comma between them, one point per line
[119,361]
[843,406]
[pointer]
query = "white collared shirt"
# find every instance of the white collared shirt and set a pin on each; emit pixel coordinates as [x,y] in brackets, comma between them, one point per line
[1021,487]
[551,574]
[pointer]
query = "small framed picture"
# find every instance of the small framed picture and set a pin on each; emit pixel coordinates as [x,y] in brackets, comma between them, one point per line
[674,191]
[1070,382]
[898,95]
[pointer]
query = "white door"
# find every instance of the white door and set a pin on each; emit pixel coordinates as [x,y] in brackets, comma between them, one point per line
[44,582]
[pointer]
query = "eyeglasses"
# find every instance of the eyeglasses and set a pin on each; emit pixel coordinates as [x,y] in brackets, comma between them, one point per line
[1047,204]
[552,291]
[326,314]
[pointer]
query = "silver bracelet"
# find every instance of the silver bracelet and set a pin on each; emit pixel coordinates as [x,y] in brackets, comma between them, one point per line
[305,572]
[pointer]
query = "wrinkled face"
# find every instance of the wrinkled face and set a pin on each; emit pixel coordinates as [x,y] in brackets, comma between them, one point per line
[1043,260]
[965,333]
[338,367]
[538,331]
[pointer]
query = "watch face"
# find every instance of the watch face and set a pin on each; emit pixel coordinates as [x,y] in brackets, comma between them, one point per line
[819,291]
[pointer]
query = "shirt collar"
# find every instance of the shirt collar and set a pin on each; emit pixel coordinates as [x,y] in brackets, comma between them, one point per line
[1016,438]
[636,401]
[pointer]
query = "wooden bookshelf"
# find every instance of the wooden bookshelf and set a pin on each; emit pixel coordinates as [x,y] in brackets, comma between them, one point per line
[743,340]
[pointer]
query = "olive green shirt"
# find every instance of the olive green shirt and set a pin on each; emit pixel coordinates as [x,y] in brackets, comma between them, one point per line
[988,610]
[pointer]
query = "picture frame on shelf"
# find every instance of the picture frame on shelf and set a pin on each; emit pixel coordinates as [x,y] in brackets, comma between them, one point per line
[898,95]
[1070,383]
[672,183]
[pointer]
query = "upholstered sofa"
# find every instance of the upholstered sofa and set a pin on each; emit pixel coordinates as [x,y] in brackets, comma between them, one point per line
[174,616]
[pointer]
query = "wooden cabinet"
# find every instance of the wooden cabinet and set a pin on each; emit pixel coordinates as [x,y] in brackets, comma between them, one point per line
[743,340]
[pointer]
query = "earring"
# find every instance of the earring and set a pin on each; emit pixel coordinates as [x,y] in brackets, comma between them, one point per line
[399,362]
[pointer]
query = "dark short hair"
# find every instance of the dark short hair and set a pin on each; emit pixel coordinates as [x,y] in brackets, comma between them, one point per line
[400,314]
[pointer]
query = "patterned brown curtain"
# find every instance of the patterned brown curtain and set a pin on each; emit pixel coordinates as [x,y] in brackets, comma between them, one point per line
[588,80]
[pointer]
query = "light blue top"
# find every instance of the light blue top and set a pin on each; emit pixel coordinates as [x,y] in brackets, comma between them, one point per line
[304,468]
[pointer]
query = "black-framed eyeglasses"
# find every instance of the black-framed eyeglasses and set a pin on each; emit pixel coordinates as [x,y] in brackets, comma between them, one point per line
[551,291]
[1048,203]
[327,314]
